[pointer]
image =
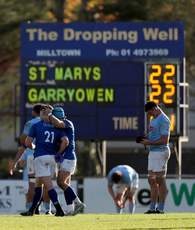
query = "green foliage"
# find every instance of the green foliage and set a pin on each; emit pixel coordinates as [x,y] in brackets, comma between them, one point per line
[13,12]
[138,10]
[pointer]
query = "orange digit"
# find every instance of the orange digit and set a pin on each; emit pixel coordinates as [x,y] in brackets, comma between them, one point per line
[169,94]
[169,74]
[172,122]
[156,93]
[155,74]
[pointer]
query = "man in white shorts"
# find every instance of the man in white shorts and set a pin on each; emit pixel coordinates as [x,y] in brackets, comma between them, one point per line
[126,180]
[67,166]
[158,141]
[30,160]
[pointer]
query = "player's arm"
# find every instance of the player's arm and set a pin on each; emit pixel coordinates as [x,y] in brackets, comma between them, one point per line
[56,122]
[29,143]
[59,155]
[25,133]
[110,189]
[116,201]
[17,158]
[23,138]
[23,163]
[63,145]
[162,141]
[127,195]
[44,116]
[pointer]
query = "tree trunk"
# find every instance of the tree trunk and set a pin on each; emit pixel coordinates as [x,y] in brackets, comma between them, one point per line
[60,10]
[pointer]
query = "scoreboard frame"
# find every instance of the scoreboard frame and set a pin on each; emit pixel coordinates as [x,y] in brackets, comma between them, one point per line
[104,61]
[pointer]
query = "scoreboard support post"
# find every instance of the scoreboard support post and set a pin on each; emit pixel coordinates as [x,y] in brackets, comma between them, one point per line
[177,149]
[104,157]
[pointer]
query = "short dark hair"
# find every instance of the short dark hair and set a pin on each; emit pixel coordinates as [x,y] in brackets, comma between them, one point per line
[116,176]
[37,108]
[150,105]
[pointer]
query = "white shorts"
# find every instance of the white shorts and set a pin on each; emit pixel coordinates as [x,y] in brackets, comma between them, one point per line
[30,164]
[45,166]
[135,184]
[121,188]
[157,161]
[68,166]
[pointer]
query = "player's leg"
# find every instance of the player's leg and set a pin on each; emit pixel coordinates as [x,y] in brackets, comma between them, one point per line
[161,171]
[45,169]
[36,198]
[161,180]
[26,186]
[154,190]
[154,187]
[47,181]
[132,200]
[63,181]
[67,167]
[119,197]
[120,192]
[31,176]
[46,202]
[48,175]
[133,190]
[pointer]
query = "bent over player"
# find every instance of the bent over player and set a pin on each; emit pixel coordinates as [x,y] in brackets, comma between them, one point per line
[127,181]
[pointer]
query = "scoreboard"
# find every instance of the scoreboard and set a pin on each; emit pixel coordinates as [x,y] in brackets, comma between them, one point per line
[103,73]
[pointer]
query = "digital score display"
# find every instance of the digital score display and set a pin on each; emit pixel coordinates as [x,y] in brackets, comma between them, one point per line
[162,87]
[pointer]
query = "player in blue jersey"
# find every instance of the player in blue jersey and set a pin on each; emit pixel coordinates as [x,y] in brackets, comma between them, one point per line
[127,181]
[47,137]
[30,160]
[158,141]
[67,167]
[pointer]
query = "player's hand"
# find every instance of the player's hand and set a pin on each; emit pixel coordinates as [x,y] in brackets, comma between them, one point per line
[145,142]
[11,171]
[117,202]
[123,204]
[48,110]
[44,118]
[58,158]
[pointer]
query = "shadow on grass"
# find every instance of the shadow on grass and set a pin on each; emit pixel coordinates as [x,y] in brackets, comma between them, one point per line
[157,228]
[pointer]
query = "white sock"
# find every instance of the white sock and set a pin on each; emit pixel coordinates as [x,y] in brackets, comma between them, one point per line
[77,201]
[70,207]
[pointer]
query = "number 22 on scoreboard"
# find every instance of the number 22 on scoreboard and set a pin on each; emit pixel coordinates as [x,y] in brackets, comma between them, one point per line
[167,83]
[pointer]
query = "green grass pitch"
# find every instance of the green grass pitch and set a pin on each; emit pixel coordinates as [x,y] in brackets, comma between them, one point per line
[100,222]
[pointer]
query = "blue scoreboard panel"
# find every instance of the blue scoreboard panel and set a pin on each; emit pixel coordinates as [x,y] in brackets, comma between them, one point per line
[103,73]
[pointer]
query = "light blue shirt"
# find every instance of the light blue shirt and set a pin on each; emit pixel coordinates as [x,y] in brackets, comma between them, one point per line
[128,175]
[159,126]
[26,131]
